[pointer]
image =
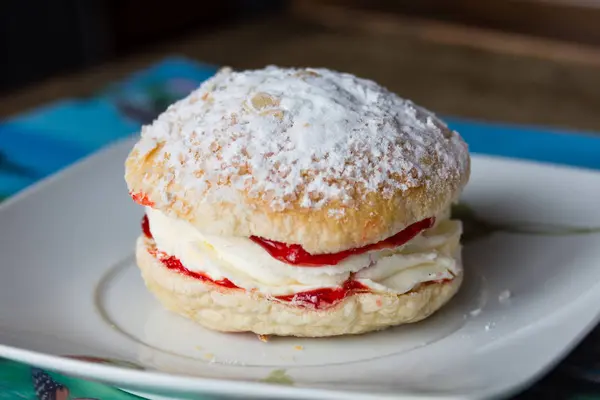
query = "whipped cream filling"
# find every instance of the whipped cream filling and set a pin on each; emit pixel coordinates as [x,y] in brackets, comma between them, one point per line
[432,255]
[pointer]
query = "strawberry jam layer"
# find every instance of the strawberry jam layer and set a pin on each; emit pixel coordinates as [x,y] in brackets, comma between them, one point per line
[174,264]
[323,298]
[146,227]
[319,298]
[142,199]
[294,253]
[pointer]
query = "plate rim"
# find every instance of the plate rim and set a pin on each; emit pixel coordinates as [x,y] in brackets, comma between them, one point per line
[215,385]
[160,380]
[189,383]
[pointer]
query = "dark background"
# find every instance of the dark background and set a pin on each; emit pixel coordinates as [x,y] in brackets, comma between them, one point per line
[42,38]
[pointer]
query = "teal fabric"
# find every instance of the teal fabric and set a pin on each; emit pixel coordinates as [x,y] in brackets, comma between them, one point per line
[19,381]
[42,141]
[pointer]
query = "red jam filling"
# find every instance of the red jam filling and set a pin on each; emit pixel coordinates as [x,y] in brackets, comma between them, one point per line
[142,199]
[146,227]
[173,263]
[296,255]
[318,298]
[323,298]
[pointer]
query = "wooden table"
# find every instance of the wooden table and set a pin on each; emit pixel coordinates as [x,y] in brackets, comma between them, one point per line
[453,75]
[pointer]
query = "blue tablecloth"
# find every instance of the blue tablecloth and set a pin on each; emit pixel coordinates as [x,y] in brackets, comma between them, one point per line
[42,141]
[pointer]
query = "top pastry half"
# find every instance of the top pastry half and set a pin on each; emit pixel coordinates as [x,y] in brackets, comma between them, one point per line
[312,157]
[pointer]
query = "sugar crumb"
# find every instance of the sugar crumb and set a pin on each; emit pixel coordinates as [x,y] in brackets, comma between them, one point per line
[299,347]
[504,297]
[474,313]
[263,338]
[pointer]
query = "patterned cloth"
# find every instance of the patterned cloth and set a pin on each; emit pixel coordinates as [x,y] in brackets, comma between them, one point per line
[40,142]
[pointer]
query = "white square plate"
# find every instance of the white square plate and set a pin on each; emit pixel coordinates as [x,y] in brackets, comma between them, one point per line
[68,286]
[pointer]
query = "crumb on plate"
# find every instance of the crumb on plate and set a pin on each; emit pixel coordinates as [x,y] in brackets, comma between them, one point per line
[263,338]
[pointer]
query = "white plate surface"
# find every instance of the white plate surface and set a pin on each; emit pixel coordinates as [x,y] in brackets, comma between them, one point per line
[68,286]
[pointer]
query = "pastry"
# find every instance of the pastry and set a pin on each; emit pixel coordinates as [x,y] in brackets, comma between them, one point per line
[300,202]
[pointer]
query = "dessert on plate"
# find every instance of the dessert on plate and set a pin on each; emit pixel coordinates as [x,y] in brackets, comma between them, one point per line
[300,202]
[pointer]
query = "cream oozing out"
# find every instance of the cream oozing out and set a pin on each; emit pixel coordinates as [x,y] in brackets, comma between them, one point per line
[432,255]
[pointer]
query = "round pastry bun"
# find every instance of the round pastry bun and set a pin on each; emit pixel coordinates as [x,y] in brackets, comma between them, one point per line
[302,156]
[234,310]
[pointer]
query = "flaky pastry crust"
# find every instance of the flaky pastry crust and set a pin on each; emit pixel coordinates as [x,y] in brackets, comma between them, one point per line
[234,310]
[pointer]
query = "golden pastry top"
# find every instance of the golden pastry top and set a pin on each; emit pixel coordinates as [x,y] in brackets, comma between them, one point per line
[289,147]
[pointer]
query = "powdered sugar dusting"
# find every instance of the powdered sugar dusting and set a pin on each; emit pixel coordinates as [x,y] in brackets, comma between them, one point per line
[301,136]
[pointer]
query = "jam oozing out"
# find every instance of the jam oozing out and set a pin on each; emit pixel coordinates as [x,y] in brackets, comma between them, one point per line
[146,227]
[319,298]
[322,298]
[174,264]
[142,199]
[296,255]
